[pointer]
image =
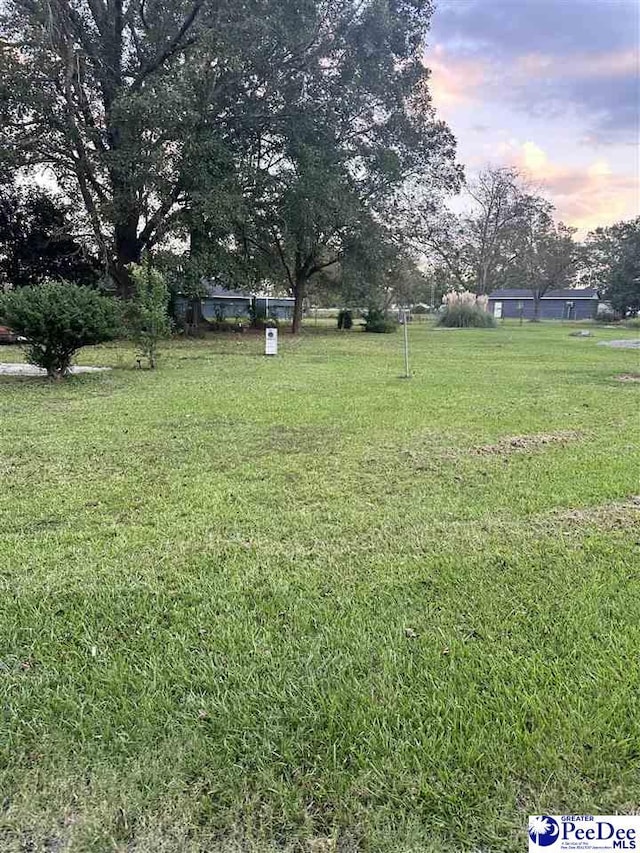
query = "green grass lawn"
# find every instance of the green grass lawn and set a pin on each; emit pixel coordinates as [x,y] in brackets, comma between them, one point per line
[300,603]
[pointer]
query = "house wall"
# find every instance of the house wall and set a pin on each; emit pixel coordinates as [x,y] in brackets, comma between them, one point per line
[277,309]
[215,308]
[550,309]
[587,310]
[180,306]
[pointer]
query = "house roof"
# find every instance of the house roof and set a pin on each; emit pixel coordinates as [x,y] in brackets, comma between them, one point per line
[563,293]
[275,299]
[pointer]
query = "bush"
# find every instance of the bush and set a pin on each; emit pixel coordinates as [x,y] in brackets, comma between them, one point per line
[220,326]
[57,319]
[227,327]
[149,312]
[258,320]
[345,319]
[376,321]
[465,297]
[262,323]
[465,316]
[633,323]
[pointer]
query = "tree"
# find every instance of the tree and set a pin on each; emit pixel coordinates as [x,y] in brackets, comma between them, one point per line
[502,202]
[57,319]
[613,263]
[378,273]
[547,255]
[79,81]
[479,247]
[271,127]
[438,281]
[355,125]
[37,240]
[149,318]
[442,237]
[136,106]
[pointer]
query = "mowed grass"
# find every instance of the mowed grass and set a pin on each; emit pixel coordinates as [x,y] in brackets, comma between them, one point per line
[300,603]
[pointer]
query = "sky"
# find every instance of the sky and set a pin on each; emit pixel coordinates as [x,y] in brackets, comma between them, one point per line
[549,86]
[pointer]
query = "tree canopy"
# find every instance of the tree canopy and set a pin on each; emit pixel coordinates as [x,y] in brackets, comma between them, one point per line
[320,176]
[135,106]
[613,258]
[278,142]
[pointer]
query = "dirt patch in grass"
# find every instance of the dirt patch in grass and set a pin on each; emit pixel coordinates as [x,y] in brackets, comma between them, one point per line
[609,516]
[628,377]
[291,439]
[504,447]
[625,343]
[526,443]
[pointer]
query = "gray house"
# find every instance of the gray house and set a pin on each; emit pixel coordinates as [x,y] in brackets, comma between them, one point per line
[219,304]
[565,304]
[275,307]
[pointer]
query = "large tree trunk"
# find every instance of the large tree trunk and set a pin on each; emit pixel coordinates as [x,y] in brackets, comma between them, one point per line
[299,294]
[194,316]
[536,308]
[126,205]
[127,251]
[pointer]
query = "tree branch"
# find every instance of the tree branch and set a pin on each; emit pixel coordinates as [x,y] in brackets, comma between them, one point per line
[174,45]
[283,260]
[157,217]
[319,267]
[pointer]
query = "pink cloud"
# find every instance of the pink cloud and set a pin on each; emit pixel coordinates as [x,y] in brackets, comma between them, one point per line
[585,197]
[468,89]
[453,81]
[578,65]
[460,80]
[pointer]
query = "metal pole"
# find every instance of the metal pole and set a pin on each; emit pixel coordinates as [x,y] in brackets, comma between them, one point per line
[407,375]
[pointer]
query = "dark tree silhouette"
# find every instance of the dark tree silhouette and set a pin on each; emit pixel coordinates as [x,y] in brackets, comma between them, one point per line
[37,241]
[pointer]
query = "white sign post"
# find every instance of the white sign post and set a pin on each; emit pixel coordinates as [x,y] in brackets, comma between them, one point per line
[271,342]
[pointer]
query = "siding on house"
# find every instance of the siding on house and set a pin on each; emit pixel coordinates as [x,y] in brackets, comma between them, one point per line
[277,308]
[565,304]
[219,304]
[216,307]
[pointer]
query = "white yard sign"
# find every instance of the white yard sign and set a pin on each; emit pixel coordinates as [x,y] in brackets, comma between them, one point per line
[271,342]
